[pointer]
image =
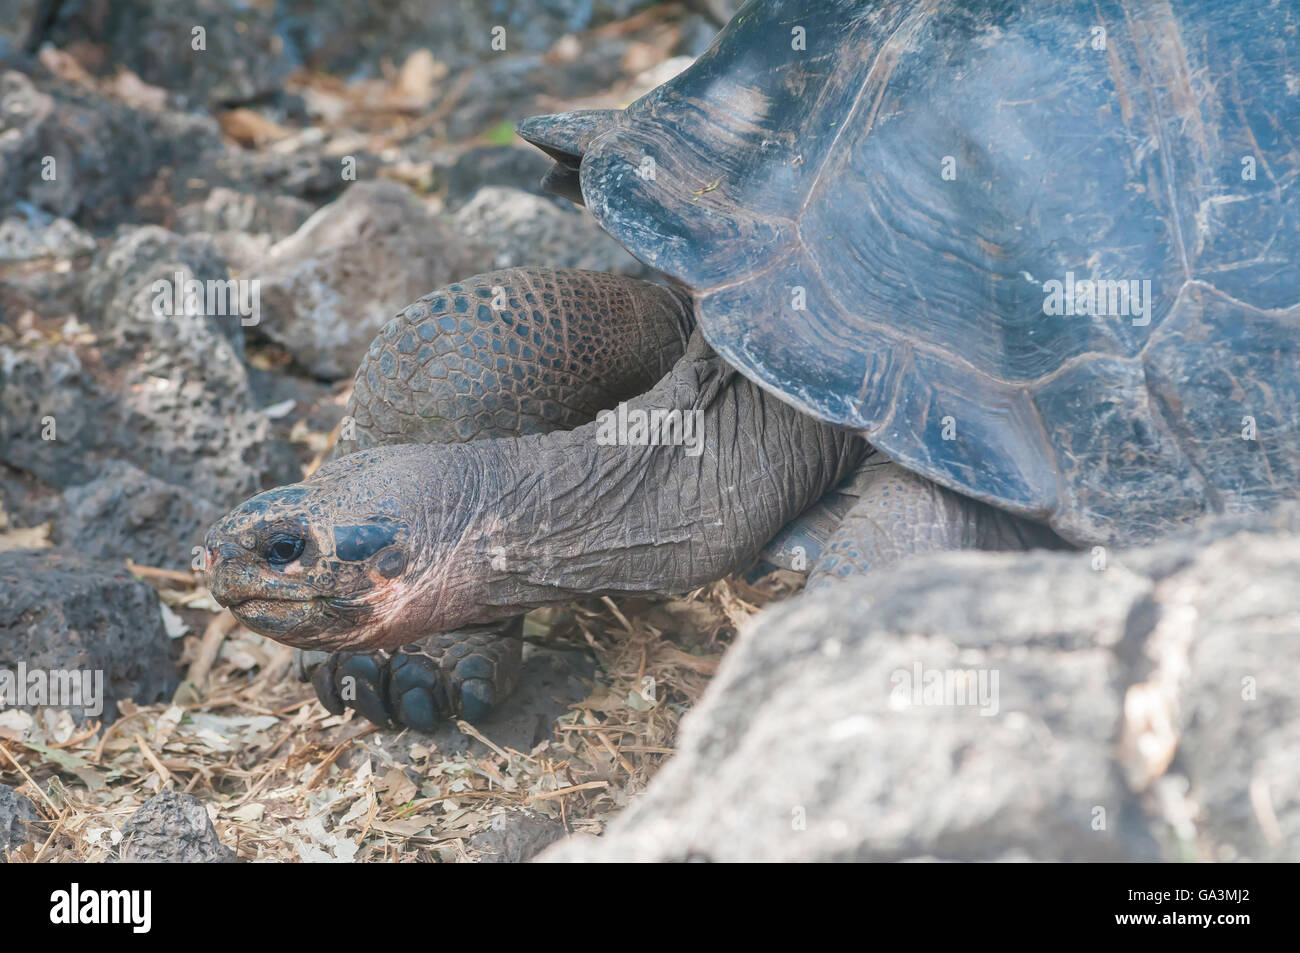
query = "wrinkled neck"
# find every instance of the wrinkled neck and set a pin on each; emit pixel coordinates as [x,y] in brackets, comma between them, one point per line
[545,519]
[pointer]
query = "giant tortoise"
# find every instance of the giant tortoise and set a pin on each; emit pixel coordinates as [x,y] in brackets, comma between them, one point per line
[940,274]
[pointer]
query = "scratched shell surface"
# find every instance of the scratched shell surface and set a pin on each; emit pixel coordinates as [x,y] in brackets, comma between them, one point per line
[1117,155]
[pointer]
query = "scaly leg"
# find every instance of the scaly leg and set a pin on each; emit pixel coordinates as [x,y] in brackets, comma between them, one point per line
[898,514]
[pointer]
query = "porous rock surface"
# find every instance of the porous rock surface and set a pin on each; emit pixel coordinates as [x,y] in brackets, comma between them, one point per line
[172,828]
[125,513]
[63,612]
[522,228]
[331,286]
[17,814]
[1147,710]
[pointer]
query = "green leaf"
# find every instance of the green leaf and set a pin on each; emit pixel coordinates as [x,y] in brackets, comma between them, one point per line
[502,134]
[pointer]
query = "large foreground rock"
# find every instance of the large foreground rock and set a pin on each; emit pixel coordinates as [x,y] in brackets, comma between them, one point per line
[63,613]
[1145,711]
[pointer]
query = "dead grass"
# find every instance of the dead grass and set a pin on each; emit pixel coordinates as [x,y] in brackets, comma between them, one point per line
[284,780]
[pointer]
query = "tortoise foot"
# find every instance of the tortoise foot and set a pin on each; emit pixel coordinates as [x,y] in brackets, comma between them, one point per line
[461,674]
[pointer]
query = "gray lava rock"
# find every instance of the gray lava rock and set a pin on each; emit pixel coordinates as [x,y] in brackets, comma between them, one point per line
[172,828]
[22,239]
[167,392]
[184,419]
[329,288]
[304,175]
[1143,712]
[17,19]
[225,210]
[354,39]
[124,513]
[40,385]
[240,59]
[42,265]
[68,152]
[122,289]
[63,613]
[541,62]
[79,156]
[244,225]
[17,814]
[182,425]
[504,88]
[516,837]
[523,229]
[495,165]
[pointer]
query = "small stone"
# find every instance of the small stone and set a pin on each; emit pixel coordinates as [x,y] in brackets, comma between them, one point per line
[516,837]
[17,814]
[172,828]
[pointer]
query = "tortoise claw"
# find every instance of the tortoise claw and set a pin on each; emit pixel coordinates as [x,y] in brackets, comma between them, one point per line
[419,698]
[477,697]
[458,674]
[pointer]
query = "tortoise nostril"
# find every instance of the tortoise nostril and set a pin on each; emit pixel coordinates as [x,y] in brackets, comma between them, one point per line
[218,554]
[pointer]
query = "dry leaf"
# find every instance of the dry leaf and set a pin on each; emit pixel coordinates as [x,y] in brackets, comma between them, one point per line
[29,537]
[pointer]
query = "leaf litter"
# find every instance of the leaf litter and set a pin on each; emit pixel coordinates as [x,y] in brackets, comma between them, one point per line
[285,780]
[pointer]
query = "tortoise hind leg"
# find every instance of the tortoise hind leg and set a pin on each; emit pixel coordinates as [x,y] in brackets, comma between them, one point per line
[799,546]
[898,514]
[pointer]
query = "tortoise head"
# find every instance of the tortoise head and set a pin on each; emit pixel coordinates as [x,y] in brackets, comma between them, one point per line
[332,562]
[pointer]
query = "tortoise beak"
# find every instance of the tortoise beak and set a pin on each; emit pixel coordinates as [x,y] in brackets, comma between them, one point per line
[231,579]
[565,137]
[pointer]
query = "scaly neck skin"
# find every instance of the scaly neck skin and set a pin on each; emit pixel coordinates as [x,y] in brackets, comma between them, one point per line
[519,523]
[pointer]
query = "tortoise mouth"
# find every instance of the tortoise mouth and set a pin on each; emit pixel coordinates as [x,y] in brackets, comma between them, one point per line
[232,606]
[265,607]
[310,622]
[280,618]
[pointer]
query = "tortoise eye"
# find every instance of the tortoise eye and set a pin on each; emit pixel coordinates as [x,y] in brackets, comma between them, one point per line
[283,549]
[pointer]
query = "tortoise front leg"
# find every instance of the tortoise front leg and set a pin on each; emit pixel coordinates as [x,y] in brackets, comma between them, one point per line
[898,514]
[515,352]
[463,673]
[502,354]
